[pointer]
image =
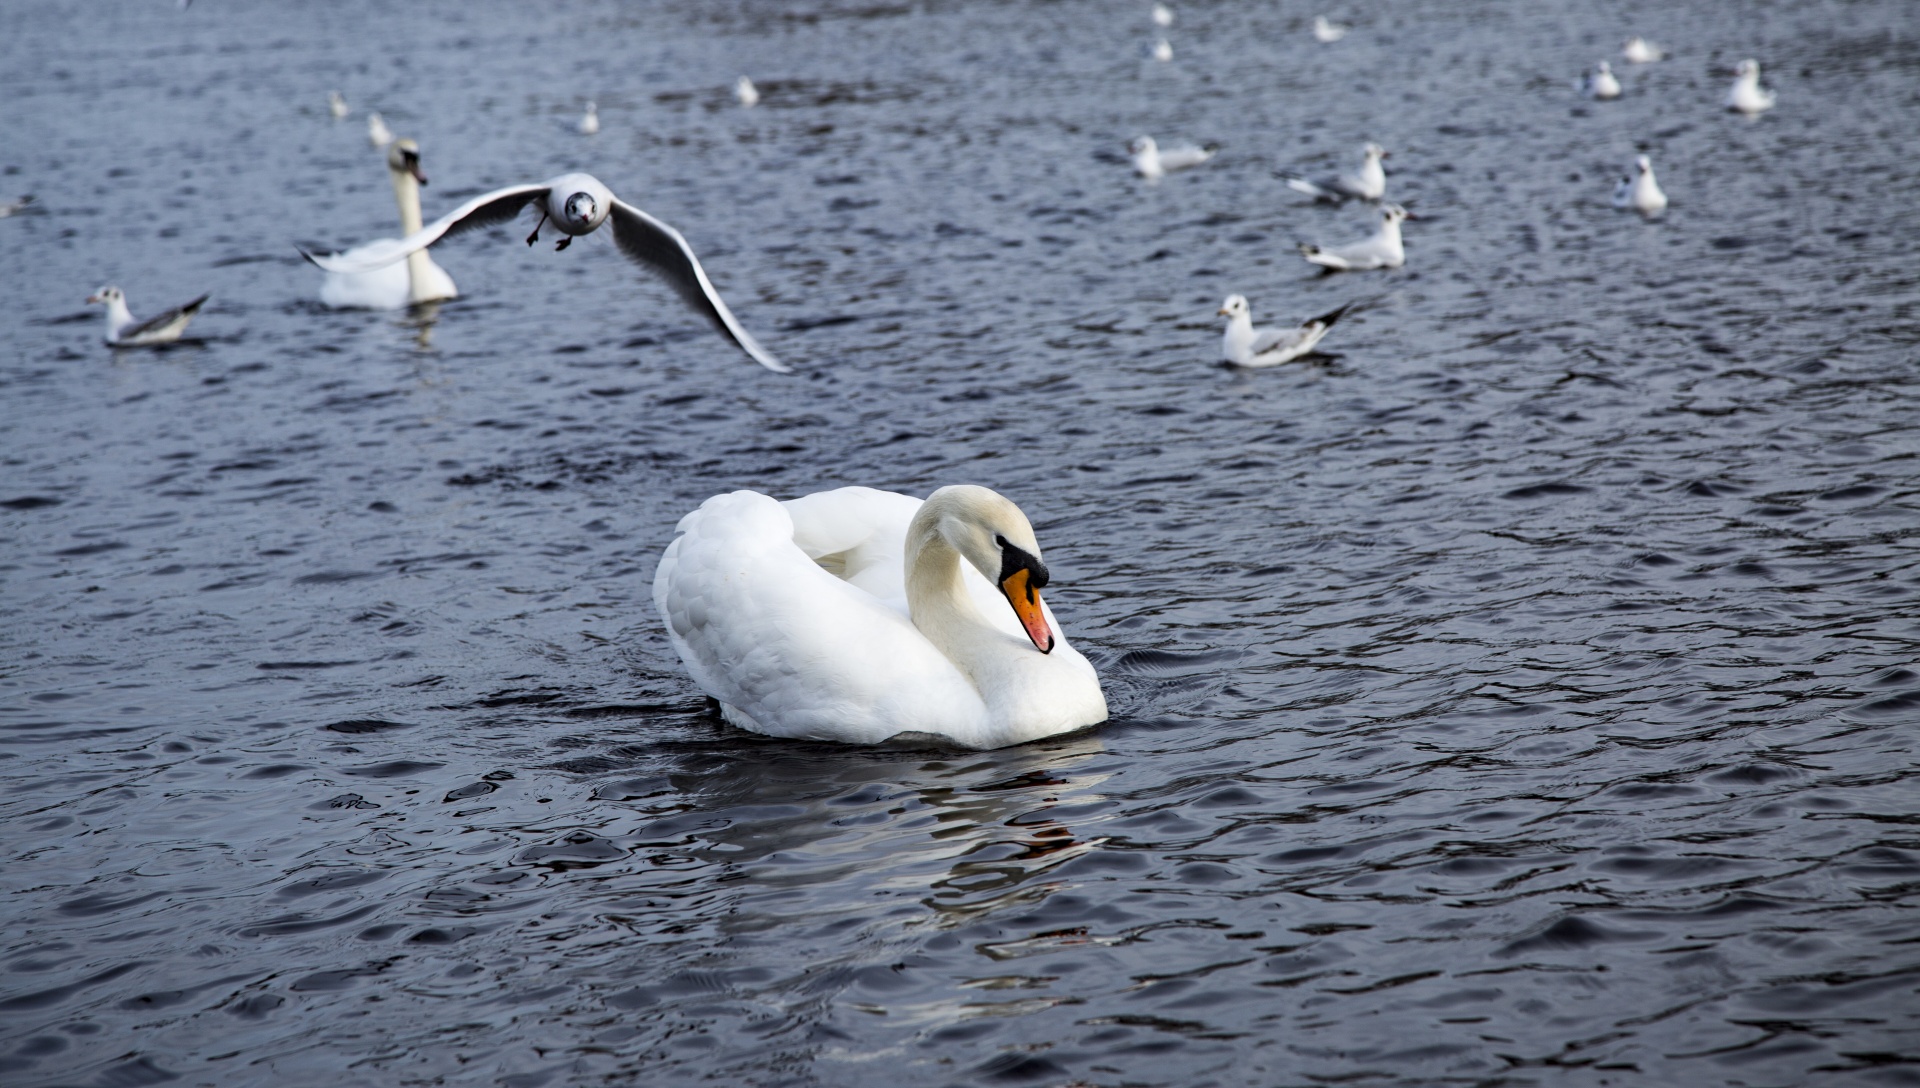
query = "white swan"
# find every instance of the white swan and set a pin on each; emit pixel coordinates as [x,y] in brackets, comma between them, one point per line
[856,615]
[124,331]
[393,286]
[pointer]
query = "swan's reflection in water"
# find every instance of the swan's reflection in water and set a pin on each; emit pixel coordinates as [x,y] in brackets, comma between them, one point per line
[421,318]
[748,881]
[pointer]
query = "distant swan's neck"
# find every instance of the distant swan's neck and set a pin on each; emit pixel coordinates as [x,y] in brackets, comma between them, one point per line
[406,193]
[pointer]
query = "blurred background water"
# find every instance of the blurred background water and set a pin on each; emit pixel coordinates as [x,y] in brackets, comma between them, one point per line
[1524,696]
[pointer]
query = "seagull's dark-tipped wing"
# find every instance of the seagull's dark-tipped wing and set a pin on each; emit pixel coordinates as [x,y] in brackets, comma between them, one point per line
[160,321]
[661,250]
[486,210]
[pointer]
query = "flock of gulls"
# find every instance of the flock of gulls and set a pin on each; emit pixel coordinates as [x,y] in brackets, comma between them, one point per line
[858,615]
[1244,345]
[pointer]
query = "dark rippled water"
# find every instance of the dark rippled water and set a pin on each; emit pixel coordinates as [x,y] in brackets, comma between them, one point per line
[1526,696]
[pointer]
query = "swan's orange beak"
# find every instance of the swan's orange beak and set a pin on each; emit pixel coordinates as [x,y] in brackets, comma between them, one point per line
[1024,596]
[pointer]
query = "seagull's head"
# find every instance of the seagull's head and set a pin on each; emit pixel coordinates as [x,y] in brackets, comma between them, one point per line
[108,295]
[1642,164]
[1747,69]
[1235,306]
[1604,68]
[582,211]
[1394,213]
[1143,145]
[403,157]
[1375,151]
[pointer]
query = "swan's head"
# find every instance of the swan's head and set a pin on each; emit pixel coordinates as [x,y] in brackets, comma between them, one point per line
[1375,152]
[108,295]
[993,534]
[1143,145]
[403,157]
[1235,306]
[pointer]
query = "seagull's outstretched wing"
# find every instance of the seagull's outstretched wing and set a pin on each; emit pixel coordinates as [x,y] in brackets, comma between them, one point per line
[661,250]
[486,210]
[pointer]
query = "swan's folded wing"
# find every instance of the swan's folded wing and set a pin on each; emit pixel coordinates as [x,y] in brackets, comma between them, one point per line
[663,251]
[857,534]
[486,210]
[796,651]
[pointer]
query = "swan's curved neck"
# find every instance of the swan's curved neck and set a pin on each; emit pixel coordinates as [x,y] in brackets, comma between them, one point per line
[942,608]
[406,193]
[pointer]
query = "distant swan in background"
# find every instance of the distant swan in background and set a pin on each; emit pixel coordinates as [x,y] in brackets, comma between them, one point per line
[393,286]
[856,615]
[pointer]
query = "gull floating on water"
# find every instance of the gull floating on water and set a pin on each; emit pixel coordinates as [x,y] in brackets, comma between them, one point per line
[15,206]
[399,285]
[1244,345]
[1153,163]
[337,105]
[746,92]
[378,134]
[1162,51]
[1162,15]
[1640,191]
[1367,183]
[1382,250]
[125,332]
[1326,33]
[1639,50]
[574,204]
[1746,94]
[1599,82]
[590,120]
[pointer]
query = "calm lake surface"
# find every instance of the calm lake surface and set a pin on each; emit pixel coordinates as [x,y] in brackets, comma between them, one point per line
[1526,696]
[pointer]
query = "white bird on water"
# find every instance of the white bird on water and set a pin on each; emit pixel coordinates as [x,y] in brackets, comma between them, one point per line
[590,120]
[1244,345]
[123,331]
[1162,15]
[1326,33]
[1382,250]
[1153,163]
[746,92]
[337,106]
[1599,82]
[1639,50]
[15,206]
[400,284]
[378,134]
[1639,191]
[574,204]
[1162,50]
[856,615]
[1746,95]
[1367,183]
